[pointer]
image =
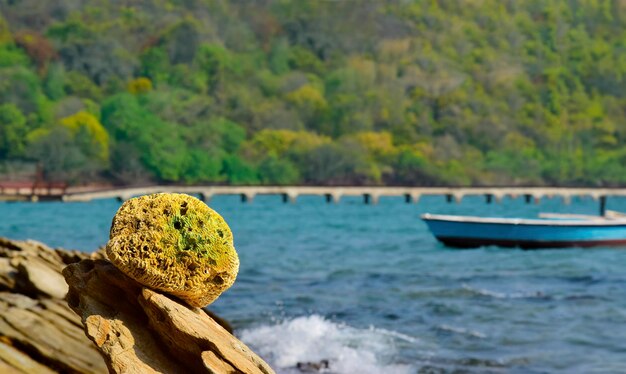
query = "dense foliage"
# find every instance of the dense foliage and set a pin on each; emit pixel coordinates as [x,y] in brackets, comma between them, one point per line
[317,92]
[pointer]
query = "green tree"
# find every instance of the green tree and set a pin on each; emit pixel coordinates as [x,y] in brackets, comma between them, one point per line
[203,166]
[411,168]
[213,61]
[13,131]
[62,154]
[334,163]
[279,57]
[155,65]
[163,151]
[276,171]
[54,82]
[238,171]
[127,166]
[22,87]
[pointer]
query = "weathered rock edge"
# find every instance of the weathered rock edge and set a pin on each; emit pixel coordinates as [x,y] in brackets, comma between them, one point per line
[138,330]
[39,333]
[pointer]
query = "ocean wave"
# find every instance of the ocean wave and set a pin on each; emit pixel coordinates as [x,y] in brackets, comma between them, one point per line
[465,290]
[314,339]
[502,295]
[461,331]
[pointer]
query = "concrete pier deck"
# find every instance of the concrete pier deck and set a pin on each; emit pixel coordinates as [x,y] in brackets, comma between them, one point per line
[370,195]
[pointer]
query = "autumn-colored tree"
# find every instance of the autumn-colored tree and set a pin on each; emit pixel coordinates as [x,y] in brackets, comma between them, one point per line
[97,137]
[38,48]
[140,85]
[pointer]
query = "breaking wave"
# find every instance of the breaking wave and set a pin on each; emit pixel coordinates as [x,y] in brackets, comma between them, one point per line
[316,340]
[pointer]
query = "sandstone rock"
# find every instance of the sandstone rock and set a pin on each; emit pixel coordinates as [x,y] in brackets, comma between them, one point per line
[174,243]
[7,274]
[191,332]
[133,328]
[112,319]
[14,361]
[37,277]
[138,330]
[38,331]
[47,339]
[214,364]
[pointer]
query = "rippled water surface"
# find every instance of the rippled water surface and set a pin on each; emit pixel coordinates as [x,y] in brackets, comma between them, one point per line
[370,290]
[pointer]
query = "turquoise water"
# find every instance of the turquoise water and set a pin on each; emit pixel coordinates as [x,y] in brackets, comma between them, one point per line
[369,289]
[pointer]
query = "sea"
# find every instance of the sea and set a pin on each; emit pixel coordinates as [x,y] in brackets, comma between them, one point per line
[367,289]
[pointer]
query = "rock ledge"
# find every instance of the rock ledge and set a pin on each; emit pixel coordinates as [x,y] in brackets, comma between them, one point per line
[39,333]
[138,330]
[135,329]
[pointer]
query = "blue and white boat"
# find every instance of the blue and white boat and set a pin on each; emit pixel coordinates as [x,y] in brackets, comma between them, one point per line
[548,231]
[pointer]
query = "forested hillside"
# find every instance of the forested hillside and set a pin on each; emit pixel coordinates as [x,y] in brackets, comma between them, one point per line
[432,92]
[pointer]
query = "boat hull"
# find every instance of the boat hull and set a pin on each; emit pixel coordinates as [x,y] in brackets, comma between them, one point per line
[471,232]
[526,244]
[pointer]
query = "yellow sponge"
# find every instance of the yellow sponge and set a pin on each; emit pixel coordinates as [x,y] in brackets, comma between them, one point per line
[174,243]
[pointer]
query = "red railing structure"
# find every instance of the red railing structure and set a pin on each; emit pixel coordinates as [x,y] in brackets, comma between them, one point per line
[33,188]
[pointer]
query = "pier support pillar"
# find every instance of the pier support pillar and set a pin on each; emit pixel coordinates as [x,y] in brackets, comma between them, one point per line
[205,196]
[602,205]
[332,198]
[289,198]
[247,197]
[454,197]
[567,199]
[411,198]
[122,198]
[489,198]
[528,198]
[371,199]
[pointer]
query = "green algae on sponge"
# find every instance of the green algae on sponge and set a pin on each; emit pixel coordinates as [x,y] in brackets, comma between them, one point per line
[174,243]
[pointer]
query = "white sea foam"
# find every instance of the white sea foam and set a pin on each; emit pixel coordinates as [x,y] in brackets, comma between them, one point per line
[501,295]
[462,331]
[314,338]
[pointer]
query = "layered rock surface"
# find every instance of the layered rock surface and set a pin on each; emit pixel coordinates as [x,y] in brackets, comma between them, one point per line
[135,329]
[39,333]
[139,330]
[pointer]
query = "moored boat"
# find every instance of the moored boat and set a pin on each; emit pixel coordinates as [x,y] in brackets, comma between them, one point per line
[553,232]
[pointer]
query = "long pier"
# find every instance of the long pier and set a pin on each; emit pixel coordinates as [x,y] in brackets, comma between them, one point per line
[333,194]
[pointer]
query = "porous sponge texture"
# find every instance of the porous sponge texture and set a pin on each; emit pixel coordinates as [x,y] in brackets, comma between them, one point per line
[174,243]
